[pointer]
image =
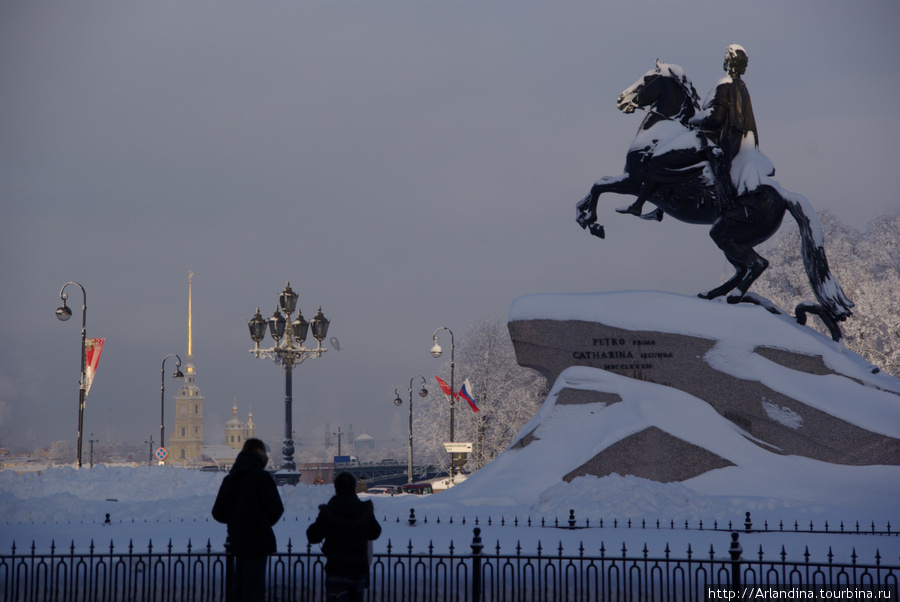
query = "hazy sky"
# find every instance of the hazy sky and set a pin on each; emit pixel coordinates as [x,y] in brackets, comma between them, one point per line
[406,165]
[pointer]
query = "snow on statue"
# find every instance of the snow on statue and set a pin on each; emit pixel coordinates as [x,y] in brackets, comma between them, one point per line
[705,167]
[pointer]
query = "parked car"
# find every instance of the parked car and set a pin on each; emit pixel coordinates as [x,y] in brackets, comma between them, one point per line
[385,489]
[417,488]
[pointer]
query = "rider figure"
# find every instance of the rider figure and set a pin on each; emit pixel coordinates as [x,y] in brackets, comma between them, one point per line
[726,120]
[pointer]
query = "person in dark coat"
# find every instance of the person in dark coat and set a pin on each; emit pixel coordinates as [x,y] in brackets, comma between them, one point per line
[249,503]
[347,525]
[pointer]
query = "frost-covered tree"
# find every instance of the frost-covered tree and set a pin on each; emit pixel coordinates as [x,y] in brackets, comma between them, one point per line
[62,452]
[506,394]
[866,264]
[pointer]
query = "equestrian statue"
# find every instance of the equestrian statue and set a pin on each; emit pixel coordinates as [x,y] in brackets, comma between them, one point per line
[704,166]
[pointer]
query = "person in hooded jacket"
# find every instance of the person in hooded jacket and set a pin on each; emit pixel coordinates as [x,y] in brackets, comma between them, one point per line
[347,525]
[249,503]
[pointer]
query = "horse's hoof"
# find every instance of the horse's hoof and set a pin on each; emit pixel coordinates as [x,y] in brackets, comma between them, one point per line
[597,230]
[656,215]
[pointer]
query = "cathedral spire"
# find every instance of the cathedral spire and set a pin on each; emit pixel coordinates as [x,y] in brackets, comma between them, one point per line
[190,349]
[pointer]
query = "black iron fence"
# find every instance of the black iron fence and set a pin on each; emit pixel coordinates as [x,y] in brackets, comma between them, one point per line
[471,574]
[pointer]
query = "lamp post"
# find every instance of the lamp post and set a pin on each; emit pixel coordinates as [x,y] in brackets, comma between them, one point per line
[423,392]
[162,394]
[64,313]
[289,352]
[436,351]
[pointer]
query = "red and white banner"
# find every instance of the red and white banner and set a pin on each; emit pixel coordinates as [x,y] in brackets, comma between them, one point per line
[92,350]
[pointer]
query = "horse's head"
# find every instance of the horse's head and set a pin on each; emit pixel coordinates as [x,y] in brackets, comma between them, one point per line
[665,91]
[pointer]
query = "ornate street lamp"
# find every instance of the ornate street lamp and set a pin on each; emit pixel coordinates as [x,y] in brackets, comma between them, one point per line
[162,394]
[436,352]
[64,313]
[289,352]
[423,392]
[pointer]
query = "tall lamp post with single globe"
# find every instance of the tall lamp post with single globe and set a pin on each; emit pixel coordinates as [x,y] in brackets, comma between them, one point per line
[289,352]
[162,394]
[436,352]
[64,313]
[423,392]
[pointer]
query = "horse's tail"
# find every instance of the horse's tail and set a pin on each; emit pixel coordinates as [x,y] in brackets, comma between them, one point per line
[826,289]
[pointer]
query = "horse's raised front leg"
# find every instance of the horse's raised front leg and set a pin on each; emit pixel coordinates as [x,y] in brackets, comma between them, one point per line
[586,209]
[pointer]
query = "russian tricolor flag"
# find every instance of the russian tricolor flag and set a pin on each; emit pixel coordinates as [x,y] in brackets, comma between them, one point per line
[464,393]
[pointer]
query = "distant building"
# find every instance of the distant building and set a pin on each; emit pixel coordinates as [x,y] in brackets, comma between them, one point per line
[186,442]
[364,442]
[236,432]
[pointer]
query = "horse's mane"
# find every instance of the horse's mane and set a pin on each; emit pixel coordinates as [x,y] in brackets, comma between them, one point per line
[675,72]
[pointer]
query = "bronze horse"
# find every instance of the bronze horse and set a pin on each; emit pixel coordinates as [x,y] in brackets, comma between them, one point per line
[695,197]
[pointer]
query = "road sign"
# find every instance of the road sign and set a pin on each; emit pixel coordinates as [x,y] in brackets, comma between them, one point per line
[161,454]
[458,447]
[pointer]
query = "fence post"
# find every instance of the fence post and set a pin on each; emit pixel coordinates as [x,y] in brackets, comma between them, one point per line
[229,573]
[476,565]
[735,551]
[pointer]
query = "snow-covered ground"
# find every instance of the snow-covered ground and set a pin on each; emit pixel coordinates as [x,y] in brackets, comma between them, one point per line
[160,504]
[66,506]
